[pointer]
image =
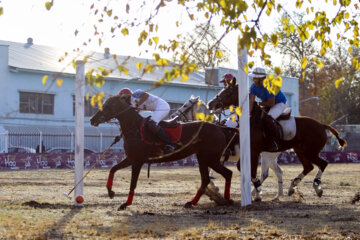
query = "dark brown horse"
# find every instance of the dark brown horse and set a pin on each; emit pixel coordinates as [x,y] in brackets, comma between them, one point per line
[206,140]
[309,140]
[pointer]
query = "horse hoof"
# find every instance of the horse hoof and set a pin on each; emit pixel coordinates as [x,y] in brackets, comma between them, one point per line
[188,205]
[257,199]
[122,207]
[276,198]
[230,202]
[111,194]
[291,192]
[319,192]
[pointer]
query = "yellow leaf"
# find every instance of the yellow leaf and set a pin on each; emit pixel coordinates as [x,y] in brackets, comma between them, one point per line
[184,77]
[304,63]
[219,54]
[44,79]
[59,82]
[139,65]
[322,51]
[125,31]
[156,40]
[337,82]
[48,5]
[200,116]
[350,50]
[231,108]
[277,70]
[238,111]
[233,118]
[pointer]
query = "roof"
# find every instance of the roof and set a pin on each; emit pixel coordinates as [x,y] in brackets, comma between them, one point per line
[33,57]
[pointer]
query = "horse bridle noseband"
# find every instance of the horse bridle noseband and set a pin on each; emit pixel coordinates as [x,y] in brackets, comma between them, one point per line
[229,94]
[183,113]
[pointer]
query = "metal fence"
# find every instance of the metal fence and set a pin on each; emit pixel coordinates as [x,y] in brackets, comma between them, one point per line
[27,138]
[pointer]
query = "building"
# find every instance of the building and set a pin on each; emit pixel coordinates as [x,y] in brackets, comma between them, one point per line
[45,112]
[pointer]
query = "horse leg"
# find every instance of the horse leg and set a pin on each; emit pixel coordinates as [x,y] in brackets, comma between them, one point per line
[205,180]
[307,165]
[321,163]
[256,182]
[279,173]
[135,171]
[123,164]
[227,174]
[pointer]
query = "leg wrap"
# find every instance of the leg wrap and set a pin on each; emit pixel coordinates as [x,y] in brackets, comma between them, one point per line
[257,183]
[130,197]
[227,190]
[195,200]
[110,180]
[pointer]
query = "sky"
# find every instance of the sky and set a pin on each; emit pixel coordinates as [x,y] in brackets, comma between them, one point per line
[29,18]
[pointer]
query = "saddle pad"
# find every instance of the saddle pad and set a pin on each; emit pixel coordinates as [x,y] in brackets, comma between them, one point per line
[174,133]
[289,128]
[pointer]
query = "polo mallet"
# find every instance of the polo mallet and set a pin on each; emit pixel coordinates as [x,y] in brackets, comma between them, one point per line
[92,167]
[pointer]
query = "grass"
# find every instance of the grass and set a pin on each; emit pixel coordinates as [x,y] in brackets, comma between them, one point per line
[157,211]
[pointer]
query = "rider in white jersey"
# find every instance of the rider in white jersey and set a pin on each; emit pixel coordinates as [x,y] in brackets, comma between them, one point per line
[147,102]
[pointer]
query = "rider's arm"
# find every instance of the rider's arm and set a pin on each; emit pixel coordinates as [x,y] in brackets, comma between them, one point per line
[269,103]
[143,98]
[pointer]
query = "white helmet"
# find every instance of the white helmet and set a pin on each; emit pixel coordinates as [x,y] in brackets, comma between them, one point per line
[258,72]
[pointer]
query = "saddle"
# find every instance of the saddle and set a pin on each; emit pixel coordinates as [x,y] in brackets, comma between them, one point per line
[172,128]
[285,115]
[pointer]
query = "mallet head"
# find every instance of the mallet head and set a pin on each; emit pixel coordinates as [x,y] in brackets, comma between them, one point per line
[66,195]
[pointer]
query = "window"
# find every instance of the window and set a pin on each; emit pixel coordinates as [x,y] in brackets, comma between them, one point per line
[38,103]
[89,110]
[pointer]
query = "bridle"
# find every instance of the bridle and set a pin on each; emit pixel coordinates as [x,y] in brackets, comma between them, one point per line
[227,93]
[183,113]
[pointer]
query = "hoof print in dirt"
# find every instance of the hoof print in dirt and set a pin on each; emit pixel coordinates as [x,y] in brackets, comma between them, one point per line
[122,207]
[188,205]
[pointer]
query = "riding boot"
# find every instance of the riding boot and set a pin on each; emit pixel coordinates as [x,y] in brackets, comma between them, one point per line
[162,135]
[273,133]
[170,146]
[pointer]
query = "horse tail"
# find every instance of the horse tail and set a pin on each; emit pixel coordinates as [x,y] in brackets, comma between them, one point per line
[341,141]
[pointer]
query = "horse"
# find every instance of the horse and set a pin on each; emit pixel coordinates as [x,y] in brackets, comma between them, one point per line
[204,139]
[193,106]
[308,140]
[190,110]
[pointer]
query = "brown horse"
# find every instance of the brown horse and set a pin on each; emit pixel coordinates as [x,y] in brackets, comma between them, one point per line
[309,140]
[204,139]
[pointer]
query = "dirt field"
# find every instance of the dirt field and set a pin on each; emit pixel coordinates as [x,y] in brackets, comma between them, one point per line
[157,210]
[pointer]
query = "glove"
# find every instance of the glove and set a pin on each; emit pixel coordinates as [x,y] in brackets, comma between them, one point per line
[117,138]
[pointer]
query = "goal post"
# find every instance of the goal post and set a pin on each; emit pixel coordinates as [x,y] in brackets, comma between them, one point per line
[244,129]
[79,129]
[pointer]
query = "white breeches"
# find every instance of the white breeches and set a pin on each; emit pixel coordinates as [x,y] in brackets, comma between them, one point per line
[230,123]
[161,111]
[277,109]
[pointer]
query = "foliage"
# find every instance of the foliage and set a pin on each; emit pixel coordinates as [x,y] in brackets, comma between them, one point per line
[244,17]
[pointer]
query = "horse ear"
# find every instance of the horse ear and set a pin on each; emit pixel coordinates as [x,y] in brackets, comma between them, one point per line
[233,81]
[198,97]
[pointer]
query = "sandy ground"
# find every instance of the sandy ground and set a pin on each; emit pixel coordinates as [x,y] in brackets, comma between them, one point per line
[32,207]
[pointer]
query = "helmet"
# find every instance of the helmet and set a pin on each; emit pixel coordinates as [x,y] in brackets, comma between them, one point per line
[125,91]
[258,72]
[227,77]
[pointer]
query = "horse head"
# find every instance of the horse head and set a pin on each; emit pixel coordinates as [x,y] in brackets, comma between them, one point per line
[113,107]
[184,112]
[225,98]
